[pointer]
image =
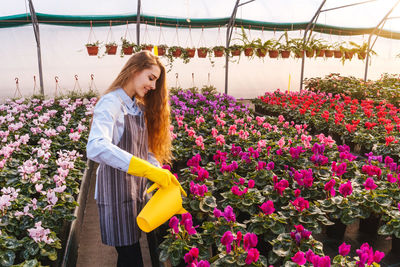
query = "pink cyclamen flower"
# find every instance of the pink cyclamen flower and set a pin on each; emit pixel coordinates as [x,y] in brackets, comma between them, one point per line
[370,184]
[344,249]
[346,189]
[229,215]
[251,183]
[203,263]
[300,204]
[217,213]
[330,187]
[252,256]
[174,224]
[250,240]
[226,240]
[299,258]
[268,207]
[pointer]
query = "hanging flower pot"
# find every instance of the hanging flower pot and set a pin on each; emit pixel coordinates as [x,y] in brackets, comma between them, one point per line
[176,51]
[328,53]
[248,51]
[111,49]
[127,50]
[190,52]
[261,52]
[337,53]
[93,48]
[218,51]
[202,52]
[320,53]
[348,54]
[273,53]
[299,54]
[285,53]
[309,53]
[162,49]
[147,47]
[235,50]
[127,47]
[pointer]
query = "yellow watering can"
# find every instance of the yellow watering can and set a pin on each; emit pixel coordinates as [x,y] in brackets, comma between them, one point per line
[164,204]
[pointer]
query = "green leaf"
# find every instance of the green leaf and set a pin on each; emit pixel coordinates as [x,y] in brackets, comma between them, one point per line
[210,201]
[7,258]
[385,230]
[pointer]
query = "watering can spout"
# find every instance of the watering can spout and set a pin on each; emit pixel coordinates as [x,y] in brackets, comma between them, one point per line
[164,204]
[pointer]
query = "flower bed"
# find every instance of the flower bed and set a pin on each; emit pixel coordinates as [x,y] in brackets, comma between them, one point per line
[386,88]
[261,186]
[41,162]
[371,125]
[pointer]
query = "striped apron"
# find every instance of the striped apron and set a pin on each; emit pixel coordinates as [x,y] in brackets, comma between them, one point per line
[122,196]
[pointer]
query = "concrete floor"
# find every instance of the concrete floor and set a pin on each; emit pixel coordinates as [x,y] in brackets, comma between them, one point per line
[92,252]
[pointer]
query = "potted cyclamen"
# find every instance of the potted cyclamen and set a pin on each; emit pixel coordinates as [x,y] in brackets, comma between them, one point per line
[202,52]
[93,48]
[111,48]
[218,51]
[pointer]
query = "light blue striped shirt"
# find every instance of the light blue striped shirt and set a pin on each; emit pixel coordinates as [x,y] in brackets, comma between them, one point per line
[107,129]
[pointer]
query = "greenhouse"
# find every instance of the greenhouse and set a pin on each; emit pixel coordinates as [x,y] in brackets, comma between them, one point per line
[200,133]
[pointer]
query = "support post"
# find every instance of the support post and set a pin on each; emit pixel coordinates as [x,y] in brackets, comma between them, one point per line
[35,25]
[304,42]
[138,22]
[229,30]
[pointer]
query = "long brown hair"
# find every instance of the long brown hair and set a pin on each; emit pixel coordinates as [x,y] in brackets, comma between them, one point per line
[157,111]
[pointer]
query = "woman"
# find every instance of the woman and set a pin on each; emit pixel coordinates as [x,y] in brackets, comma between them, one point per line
[130,128]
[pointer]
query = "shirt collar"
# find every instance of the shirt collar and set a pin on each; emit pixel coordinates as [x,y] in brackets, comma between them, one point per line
[129,102]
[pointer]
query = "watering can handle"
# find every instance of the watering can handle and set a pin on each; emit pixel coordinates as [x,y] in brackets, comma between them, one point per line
[155,186]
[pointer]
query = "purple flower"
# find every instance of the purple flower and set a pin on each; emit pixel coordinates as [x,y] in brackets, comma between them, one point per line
[299,258]
[344,249]
[300,204]
[191,256]
[370,184]
[174,224]
[226,240]
[268,207]
[309,255]
[391,178]
[229,215]
[185,216]
[252,256]
[261,165]
[189,227]
[250,240]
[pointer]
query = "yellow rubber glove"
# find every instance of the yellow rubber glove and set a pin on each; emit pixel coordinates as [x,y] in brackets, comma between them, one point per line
[160,176]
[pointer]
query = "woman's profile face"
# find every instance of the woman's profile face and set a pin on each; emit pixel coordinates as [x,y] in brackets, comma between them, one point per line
[145,80]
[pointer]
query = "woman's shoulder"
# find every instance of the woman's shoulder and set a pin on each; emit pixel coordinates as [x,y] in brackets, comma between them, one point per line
[110,102]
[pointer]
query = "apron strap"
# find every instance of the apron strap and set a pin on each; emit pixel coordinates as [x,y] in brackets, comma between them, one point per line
[123,106]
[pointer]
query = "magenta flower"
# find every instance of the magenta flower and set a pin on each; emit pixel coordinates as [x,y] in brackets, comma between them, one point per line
[309,255]
[226,240]
[189,227]
[217,213]
[330,187]
[391,178]
[370,184]
[268,207]
[297,192]
[261,165]
[270,165]
[202,174]
[344,249]
[281,186]
[250,240]
[185,216]
[398,206]
[252,256]
[321,261]
[346,189]
[203,264]
[191,256]
[339,169]
[229,215]
[251,183]
[174,224]
[300,204]
[299,258]
[238,238]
